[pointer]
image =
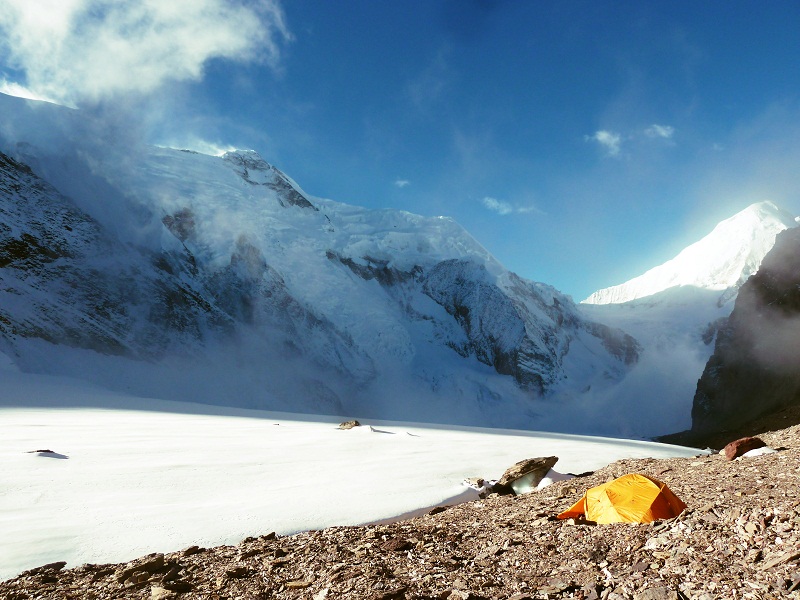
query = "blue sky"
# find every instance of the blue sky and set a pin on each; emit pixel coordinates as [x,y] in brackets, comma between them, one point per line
[580,142]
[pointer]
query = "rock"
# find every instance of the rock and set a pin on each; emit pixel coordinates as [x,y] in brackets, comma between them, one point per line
[398,594]
[137,577]
[191,550]
[148,565]
[245,554]
[659,593]
[528,473]
[781,559]
[738,447]
[322,594]
[160,593]
[178,586]
[349,424]
[397,544]
[52,567]
[236,572]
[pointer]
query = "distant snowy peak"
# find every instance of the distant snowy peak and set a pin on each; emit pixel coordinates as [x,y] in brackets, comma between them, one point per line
[722,260]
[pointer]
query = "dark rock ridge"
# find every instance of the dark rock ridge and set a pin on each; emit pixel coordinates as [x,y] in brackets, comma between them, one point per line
[523,330]
[755,367]
[256,171]
[519,331]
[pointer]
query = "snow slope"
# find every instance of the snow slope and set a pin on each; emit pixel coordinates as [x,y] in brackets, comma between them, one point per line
[721,261]
[130,475]
[177,271]
[674,312]
[676,329]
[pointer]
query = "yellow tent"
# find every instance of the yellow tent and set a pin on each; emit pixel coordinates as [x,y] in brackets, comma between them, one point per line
[631,498]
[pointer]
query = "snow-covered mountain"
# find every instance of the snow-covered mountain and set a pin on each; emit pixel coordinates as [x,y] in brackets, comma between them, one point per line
[218,279]
[675,312]
[721,261]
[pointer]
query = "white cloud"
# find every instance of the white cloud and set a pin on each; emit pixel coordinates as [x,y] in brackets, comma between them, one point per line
[498,206]
[527,209]
[401,183]
[660,131]
[501,207]
[610,140]
[87,50]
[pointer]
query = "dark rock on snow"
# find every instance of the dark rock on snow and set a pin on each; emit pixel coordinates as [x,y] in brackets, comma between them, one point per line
[534,469]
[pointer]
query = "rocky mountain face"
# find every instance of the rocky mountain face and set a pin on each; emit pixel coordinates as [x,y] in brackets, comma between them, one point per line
[755,367]
[150,254]
[66,281]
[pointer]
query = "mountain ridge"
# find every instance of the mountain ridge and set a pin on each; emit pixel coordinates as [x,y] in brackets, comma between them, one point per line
[277,299]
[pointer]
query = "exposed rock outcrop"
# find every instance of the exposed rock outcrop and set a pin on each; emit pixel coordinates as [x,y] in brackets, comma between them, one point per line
[256,171]
[755,367]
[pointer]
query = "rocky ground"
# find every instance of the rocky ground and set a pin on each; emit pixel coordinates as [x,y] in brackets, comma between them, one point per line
[738,538]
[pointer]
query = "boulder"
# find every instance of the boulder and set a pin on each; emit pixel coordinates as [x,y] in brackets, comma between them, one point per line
[738,447]
[525,475]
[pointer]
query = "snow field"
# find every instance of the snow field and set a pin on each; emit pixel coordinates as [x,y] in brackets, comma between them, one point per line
[145,475]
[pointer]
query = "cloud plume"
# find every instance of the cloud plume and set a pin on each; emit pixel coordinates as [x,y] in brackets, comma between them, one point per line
[77,51]
[660,131]
[503,208]
[609,140]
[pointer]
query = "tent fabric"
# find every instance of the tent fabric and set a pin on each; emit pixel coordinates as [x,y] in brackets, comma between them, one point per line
[632,498]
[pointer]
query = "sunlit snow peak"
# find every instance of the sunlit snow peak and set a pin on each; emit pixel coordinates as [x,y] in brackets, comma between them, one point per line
[722,260]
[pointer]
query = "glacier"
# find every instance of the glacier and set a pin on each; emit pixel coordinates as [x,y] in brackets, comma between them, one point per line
[218,279]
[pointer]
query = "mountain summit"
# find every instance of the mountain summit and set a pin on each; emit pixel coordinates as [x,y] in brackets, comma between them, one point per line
[722,260]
